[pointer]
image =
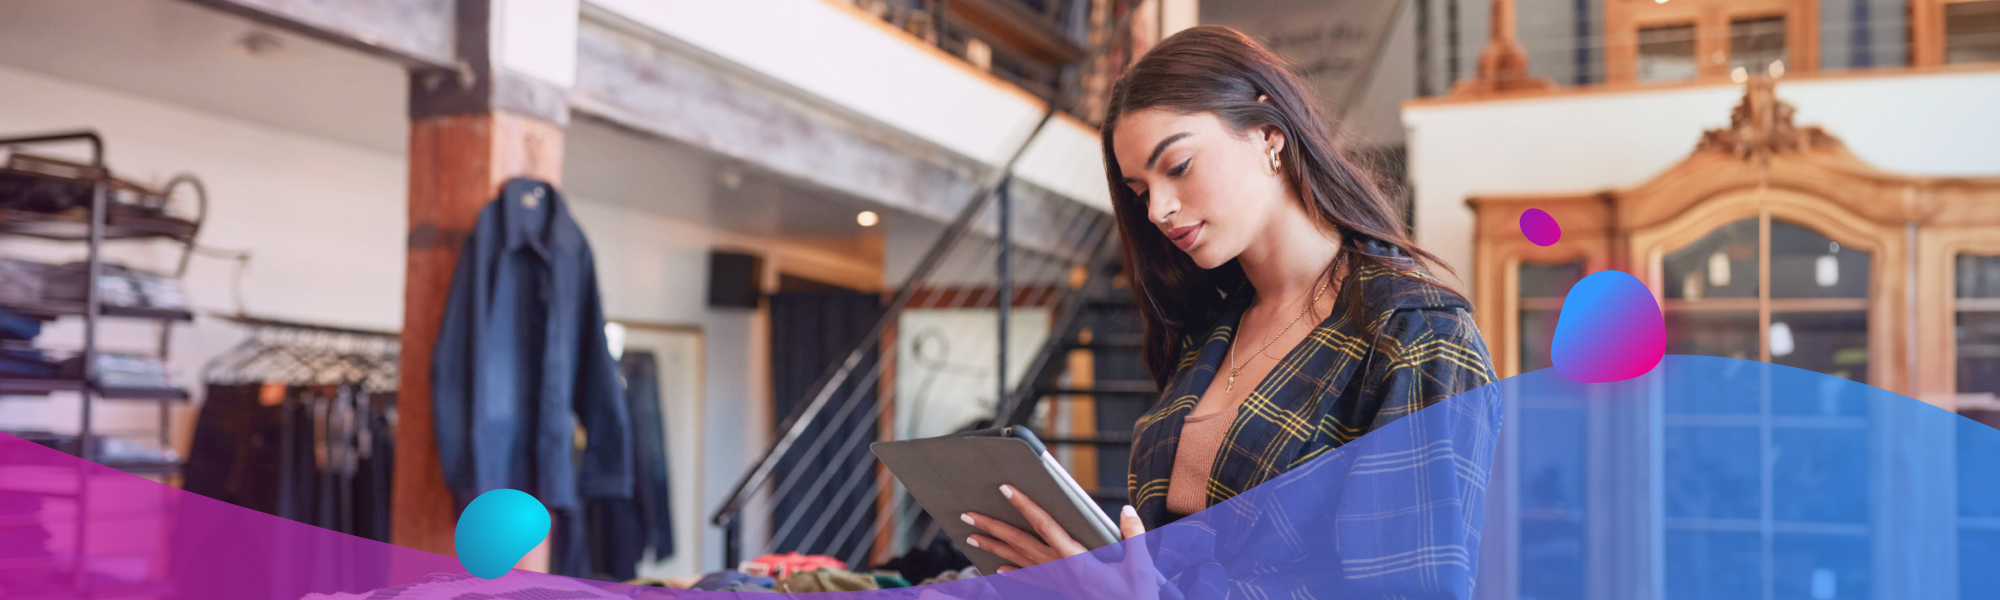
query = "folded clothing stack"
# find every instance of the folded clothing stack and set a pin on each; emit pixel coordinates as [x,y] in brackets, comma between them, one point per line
[26,363]
[23,282]
[783,565]
[116,286]
[48,185]
[122,371]
[106,449]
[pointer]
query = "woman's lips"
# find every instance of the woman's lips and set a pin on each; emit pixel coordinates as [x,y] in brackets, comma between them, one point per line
[1185,236]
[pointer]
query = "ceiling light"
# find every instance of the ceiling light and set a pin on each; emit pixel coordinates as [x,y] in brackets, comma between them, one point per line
[261,43]
[867,218]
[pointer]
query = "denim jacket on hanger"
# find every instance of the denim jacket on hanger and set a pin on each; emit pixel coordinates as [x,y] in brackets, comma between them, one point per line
[521,359]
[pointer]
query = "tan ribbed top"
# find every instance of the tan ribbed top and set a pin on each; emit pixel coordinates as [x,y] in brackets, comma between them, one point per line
[1201,437]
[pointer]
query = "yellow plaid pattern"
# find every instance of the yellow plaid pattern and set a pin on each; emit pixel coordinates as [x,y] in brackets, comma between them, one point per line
[1418,347]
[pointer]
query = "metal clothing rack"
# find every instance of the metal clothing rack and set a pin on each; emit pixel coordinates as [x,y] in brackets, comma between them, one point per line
[94,228]
[104,222]
[357,367]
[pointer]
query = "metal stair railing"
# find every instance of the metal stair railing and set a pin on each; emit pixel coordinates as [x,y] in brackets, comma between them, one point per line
[974,264]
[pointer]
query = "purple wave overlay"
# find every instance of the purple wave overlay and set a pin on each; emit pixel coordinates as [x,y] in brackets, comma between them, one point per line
[1418,508]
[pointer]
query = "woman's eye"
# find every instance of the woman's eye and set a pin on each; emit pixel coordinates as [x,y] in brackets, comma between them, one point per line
[1180,168]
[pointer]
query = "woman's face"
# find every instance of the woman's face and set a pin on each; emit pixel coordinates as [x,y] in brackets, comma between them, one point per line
[1208,189]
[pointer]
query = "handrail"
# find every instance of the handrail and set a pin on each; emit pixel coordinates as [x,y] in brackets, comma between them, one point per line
[830,383]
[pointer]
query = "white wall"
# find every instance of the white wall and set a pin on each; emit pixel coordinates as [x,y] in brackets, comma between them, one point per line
[325,223]
[864,67]
[1940,124]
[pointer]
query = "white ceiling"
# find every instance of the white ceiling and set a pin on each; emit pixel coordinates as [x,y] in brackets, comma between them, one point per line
[193,56]
[608,164]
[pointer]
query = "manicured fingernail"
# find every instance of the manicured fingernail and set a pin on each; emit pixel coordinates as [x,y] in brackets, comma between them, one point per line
[967,517]
[974,542]
[1129,511]
[1008,491]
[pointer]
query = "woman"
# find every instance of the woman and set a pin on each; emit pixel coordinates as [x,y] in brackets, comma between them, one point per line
[1287,312]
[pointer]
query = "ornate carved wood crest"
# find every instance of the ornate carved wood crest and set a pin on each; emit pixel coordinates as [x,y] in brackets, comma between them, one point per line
[1761,127]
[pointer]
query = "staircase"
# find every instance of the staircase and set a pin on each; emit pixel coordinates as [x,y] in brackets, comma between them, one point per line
[1089,385]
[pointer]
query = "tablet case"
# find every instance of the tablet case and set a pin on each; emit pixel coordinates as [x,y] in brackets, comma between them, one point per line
[955,474]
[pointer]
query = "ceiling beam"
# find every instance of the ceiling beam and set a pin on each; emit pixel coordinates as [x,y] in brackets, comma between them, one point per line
[656,86]
[414,32]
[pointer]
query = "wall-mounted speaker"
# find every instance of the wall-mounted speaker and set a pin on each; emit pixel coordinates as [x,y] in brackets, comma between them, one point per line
[733,279]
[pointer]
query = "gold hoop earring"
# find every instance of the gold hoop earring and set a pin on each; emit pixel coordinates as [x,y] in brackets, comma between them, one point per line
[1274,162]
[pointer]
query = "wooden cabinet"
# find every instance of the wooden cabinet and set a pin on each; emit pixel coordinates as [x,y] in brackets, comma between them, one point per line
[1771,242]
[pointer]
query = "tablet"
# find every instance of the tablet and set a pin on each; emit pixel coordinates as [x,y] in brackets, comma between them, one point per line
[960,473]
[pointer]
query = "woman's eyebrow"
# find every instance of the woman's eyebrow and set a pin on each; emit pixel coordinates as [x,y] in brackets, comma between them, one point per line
[1162,147]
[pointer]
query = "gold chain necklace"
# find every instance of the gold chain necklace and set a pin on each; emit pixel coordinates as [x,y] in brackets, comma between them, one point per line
[1235,369]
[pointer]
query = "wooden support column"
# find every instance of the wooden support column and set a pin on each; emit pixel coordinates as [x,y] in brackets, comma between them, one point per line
[457,163]
[472,128]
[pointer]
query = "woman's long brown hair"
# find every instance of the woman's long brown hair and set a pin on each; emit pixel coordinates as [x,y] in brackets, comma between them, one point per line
[1214,69]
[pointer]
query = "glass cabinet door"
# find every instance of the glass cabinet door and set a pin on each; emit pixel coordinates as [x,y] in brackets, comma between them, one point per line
[1977,332]
[1752,477]
[1711,291]
[1542,288]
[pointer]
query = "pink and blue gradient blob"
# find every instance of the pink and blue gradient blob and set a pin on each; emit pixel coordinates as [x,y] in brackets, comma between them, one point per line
[1540,228]
[1610,330]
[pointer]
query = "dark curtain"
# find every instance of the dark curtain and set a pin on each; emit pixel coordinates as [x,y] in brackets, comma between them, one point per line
[831,469]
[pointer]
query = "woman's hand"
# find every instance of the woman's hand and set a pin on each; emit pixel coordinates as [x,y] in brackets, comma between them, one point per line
[1048,542]
[1133,577]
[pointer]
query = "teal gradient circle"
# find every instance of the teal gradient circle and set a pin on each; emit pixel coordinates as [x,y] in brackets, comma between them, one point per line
[497,529]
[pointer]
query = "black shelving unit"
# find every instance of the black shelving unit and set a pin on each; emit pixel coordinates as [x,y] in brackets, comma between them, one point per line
[104,221]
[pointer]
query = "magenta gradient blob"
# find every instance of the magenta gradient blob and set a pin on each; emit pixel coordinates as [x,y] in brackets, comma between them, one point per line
[1610,330]
[1540,228]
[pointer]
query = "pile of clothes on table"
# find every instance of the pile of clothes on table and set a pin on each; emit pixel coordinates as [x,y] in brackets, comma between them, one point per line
[794,572]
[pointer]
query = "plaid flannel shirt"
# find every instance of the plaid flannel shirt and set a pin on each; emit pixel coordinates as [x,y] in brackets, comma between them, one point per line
[1419,347]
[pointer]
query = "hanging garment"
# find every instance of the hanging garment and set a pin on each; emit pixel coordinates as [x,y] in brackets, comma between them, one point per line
[315,454]
[521,359]
[621,531]
[234,456]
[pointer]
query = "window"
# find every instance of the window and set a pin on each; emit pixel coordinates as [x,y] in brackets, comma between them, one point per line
[1859,34]
[1755,45]
[1666,53]
[1972,32]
